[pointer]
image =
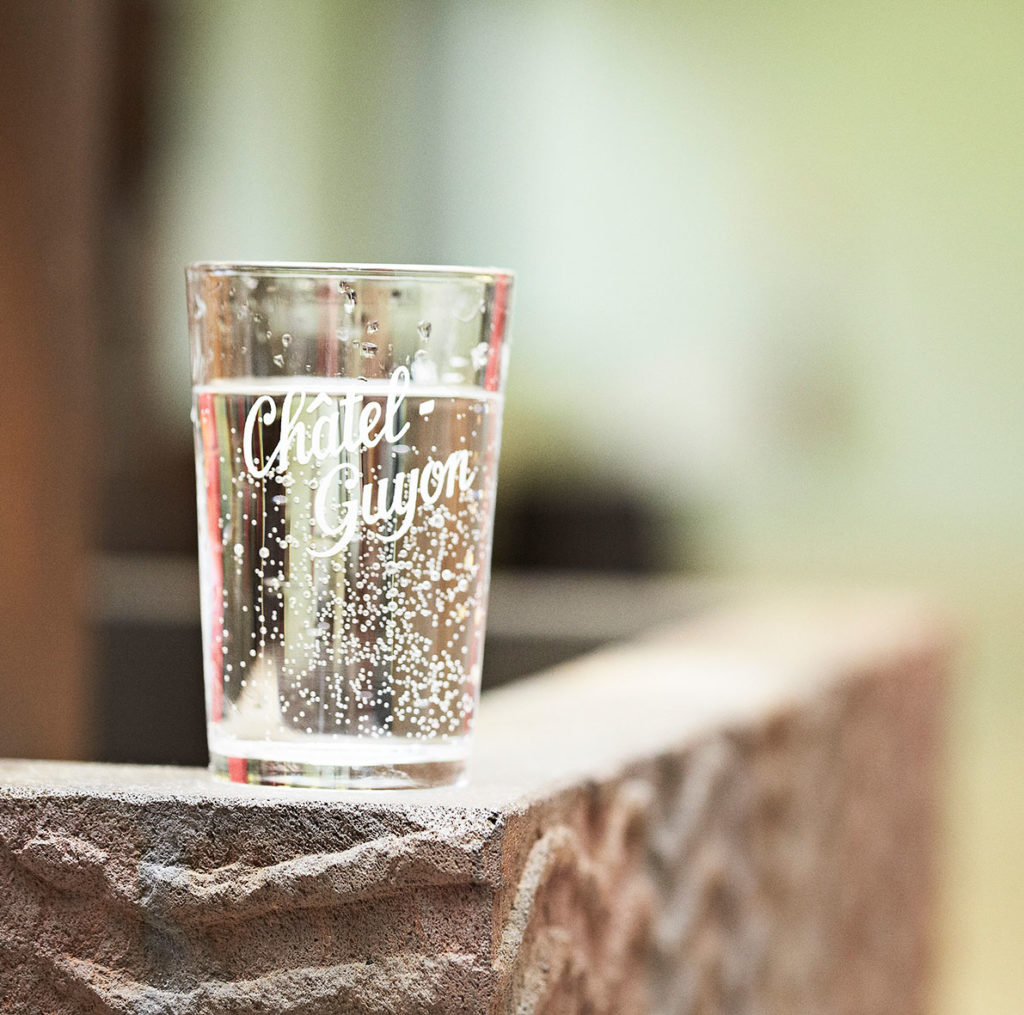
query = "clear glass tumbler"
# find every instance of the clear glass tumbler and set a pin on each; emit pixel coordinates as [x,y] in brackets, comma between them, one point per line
[347,427]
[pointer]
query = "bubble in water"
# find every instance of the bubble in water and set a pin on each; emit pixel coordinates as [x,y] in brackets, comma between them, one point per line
[239,550]
[264,553]
[279,360]
[373,327]
[423,330]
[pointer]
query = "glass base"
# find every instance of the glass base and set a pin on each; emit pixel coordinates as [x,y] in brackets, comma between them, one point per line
[398,775]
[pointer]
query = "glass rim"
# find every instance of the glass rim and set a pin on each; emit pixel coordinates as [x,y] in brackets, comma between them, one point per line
[316,269]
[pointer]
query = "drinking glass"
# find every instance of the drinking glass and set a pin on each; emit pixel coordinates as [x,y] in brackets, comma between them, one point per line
[347,426]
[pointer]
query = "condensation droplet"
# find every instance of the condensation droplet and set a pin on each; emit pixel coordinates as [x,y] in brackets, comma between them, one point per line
[368,350]
[286,339]
[423,330]
[478,355]
[467,307]
[373,327]
[239,549]
[424,370]
[279,360]
[350,297]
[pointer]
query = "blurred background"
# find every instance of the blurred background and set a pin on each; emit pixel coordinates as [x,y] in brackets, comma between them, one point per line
[769,323]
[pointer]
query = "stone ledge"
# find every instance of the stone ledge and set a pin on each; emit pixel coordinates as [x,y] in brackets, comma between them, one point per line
[735,815]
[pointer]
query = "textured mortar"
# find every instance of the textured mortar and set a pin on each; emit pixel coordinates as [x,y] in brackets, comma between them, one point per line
[734,816]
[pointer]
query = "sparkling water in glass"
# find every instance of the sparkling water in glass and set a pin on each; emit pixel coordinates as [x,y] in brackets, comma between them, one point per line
[347,423]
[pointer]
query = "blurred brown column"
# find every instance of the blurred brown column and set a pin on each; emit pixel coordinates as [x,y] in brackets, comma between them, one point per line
[51,159]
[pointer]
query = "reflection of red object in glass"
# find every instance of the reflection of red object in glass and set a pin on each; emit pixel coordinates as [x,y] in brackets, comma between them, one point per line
[238,769]
[216,553]
[492,382]
[497,335]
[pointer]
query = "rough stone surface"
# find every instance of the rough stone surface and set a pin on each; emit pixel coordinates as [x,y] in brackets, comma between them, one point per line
[734,816]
